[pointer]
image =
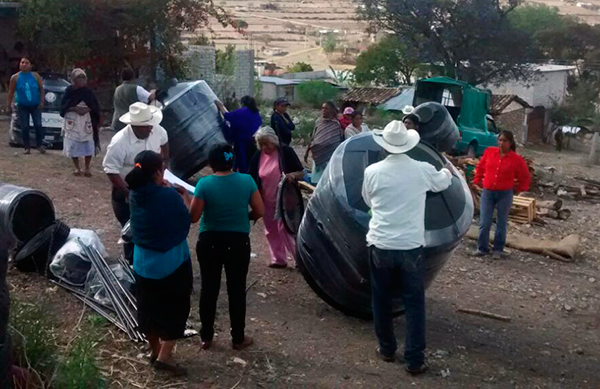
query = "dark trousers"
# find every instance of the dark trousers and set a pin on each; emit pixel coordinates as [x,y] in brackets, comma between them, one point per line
[392,270]
[491,199]
[35,113]
[216,250]
[121,209]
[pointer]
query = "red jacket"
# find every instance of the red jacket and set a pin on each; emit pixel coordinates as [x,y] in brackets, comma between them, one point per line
[502,173]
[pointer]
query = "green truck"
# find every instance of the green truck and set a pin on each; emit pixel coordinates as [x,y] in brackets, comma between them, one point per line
[469,106]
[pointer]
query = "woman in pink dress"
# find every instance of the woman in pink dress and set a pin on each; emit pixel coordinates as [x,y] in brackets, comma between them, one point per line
[269,165]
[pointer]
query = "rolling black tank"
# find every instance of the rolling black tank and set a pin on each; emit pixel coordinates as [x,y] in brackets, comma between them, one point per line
[332,251]
[437,126]
[193,123]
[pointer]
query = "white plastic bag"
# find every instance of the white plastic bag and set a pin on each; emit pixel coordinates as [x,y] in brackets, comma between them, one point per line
[70,264]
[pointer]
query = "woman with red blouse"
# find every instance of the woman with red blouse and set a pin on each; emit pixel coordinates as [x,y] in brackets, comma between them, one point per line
[501,172]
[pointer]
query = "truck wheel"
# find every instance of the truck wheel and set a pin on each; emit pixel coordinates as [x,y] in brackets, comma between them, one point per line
[472,151]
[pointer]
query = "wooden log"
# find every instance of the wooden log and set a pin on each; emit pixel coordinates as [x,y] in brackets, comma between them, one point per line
[582,190]
[488,315]
[550,204]
[546,212]
[564,214]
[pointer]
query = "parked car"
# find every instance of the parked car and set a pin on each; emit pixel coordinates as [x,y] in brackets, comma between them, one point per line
[469,106]
[55,86]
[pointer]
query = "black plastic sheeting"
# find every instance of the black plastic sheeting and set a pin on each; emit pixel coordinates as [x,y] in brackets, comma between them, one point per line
[193,123]
[332,251]
[437,126]
[291,206]
[23,212]
[37,252]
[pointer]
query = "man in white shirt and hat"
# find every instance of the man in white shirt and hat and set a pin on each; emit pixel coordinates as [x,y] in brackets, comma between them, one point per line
[142,132]
[395,189]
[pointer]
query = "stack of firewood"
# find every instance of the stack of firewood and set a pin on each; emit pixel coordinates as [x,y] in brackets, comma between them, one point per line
[553,209]
[586,190]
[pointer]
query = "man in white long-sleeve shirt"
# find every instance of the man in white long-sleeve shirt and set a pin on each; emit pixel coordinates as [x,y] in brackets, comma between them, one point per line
[395,189]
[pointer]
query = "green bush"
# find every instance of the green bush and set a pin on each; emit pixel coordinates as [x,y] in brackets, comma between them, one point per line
[33,340]
[315,93]
[378,118]
[78,369]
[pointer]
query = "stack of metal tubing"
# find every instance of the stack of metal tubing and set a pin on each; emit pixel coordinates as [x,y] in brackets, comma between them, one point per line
[122,311]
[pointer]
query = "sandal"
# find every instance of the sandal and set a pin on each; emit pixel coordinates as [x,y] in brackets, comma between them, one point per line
[77,173]
[383,357]
[27,151]
[417,370]
[206,345]
[278,265]
[87,174]
[42,150]
[176,370]
[248,341]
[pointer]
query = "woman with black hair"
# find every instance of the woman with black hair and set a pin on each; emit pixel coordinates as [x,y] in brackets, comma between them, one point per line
[221,203]
[412,121]
[160,223]
[243,123]
[502,173]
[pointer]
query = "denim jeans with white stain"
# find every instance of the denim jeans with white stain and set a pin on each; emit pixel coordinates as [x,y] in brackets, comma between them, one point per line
[490,200]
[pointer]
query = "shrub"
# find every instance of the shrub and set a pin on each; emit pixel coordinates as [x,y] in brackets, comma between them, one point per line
[78,369]
[315,93]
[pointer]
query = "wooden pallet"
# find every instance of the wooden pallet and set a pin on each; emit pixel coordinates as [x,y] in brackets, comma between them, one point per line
[523,210]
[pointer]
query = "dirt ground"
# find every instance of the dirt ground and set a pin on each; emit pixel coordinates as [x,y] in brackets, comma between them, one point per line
[551,342]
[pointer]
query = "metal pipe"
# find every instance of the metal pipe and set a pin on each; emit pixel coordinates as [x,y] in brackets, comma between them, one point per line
[119,309]
[118,283]
[121,306]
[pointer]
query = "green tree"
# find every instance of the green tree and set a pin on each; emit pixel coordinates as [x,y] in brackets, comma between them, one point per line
[316,93]
[329,42]
[389,62]
[225,60]
[473,39]
[533,18]
[62,31]
[299,67]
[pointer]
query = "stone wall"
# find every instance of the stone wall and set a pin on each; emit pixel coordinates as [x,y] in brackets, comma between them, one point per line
[202,66]
[513,121]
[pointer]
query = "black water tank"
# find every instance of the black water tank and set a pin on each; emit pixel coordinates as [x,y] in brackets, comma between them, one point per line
[23,212]
[332,251]
[193,123]
[437,126]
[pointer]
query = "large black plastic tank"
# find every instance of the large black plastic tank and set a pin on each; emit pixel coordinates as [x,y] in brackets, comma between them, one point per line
[193,123]
[332,251]
[437,126]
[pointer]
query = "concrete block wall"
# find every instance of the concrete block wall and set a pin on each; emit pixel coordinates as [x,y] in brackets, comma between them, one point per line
[244,73]
[201,63]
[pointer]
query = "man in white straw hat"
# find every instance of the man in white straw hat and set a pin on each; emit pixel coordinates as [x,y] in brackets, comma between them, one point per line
[142,132]
[395,189]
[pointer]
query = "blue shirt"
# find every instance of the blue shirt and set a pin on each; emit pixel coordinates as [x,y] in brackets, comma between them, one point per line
[226,201]
[243,125]
[28,90]
[157,265]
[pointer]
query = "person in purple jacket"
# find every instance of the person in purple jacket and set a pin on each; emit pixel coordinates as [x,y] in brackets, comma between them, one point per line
[243,123]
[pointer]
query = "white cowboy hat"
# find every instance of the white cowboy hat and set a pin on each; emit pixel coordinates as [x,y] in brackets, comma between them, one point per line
[408,109]
[395,138]
[141,114]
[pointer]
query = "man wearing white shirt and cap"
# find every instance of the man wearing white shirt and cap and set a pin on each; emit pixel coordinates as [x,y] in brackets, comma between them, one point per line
[395,189]
[142,132]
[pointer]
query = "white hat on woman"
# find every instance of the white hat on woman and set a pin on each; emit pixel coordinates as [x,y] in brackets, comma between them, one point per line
[141,114]
[395,138]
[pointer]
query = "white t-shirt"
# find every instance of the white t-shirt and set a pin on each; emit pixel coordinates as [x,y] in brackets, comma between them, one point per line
[125,146]
[395,189]
[142,94]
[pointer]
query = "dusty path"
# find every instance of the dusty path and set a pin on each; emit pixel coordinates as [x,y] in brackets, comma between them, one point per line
[551,342]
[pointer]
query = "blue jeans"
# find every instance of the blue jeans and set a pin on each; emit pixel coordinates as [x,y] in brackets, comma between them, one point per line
[491,199]
[24,112]
[392,270]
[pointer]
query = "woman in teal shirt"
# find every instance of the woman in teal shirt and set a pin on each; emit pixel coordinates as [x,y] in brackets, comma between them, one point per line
[160,223]
[221,203]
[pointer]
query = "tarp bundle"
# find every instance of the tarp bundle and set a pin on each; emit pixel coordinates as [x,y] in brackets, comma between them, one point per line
[332,250]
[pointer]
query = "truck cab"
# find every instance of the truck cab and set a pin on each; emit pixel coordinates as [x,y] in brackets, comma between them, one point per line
[469,106]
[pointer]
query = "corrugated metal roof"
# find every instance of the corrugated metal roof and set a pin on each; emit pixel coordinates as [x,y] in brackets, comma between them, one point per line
[278,80]
[370,95]
[501,102]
